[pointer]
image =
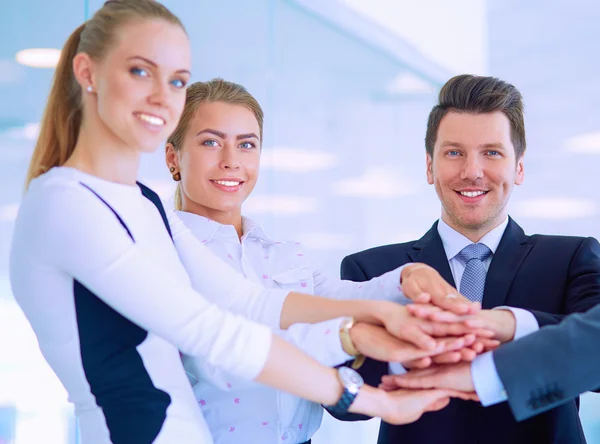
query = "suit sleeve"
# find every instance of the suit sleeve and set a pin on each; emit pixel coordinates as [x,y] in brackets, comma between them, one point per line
[583,285]
[552,366]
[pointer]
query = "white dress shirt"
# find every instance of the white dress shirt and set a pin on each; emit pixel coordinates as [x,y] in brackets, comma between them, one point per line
[485,377]
[238,410]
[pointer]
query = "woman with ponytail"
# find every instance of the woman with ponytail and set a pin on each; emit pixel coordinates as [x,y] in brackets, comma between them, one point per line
[97,275]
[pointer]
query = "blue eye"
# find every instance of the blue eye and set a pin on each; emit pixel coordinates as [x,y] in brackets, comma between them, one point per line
[247,145]
[210,142]
[139,72]
[453,153]
[493,153]
[178,83]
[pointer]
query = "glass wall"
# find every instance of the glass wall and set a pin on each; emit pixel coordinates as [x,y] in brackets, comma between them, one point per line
[346,102]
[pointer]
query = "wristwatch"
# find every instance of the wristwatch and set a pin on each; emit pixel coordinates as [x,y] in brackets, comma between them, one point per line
[352,383]
[348,345]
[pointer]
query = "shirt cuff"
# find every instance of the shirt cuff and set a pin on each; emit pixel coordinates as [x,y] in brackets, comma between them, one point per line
[525,321]
[331,333]
[395,368]
[487,383]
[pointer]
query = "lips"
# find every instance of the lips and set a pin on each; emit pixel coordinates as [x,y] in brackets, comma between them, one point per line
[150,119]
[228,185]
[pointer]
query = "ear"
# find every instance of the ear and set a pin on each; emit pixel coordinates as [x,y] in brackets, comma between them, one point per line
[429,163]
[171,157]
[84,70]
[520,177]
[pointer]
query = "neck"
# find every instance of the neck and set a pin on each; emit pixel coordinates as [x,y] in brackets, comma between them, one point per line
[473,233]
[233,217]
[100,153]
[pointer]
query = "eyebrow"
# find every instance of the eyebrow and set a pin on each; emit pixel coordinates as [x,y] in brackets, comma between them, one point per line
[497,145]
[222,135]
[151,63]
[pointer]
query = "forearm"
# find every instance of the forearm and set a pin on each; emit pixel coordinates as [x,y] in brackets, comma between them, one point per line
[303,308]
[290,370]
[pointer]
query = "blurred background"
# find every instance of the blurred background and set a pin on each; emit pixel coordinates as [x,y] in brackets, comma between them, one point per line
[346,86]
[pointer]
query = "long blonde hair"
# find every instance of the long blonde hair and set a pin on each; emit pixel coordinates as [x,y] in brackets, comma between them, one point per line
[215,90]
[62,117]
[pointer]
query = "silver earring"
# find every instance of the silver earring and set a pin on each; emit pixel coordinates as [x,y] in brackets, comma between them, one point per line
[89,88]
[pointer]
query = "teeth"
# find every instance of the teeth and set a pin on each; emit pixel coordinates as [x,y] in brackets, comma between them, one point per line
[227,183]
[151,119]
[472,193]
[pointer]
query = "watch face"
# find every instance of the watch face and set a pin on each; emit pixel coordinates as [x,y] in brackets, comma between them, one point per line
[351,380]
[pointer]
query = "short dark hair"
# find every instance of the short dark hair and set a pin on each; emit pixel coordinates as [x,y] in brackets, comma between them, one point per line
[467,93]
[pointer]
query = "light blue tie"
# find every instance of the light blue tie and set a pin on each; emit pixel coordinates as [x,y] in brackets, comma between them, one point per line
[473,279]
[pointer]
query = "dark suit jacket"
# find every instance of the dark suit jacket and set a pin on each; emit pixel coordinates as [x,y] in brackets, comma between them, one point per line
[551,276]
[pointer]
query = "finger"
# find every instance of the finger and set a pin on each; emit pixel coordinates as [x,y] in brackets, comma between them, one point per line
[438,405]
[447,358]
[450,300]
[443,329]
[422,310]
[415,379]
[422,298]
[490,344]
[476,322]
[430,399]
[388,386]
[421,363]
[415,335]
[467,396]
[412,289]
[467,355]
[478,346]
[416,363]
[447,316]
[483,333]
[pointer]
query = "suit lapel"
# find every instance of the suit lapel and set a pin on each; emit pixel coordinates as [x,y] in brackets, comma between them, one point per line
[507,260]
[430,250]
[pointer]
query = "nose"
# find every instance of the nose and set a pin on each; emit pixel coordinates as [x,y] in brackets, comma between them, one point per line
[472,169]
[161,94]
[229,159]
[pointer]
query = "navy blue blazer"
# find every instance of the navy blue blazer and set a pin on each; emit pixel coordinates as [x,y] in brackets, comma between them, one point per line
[551,276]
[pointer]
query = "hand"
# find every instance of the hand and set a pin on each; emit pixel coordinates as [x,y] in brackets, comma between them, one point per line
[376,342]
[420,332]
[451,377]
[466,354]
[406,406]
[502,322]
[423,284]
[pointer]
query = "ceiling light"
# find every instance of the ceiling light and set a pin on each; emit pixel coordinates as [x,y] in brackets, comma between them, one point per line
[556,208]
[406,82]
[585,143]
[281,205]
[39,57]
[297,160]
[375,182]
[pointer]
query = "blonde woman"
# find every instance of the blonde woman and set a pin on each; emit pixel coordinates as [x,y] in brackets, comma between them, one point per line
[96,273]
[214,154]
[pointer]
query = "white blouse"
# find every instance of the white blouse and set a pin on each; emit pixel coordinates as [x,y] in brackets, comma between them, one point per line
[237,410]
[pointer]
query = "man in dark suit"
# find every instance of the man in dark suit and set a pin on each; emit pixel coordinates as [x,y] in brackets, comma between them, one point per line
[475,144]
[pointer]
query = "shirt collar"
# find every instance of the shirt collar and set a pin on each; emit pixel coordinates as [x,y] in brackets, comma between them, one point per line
[454,241]
[205,229]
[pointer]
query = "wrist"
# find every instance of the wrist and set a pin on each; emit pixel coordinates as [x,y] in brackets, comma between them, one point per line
[506,325]
[371,401]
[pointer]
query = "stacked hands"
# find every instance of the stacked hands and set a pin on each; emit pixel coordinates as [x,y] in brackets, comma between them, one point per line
[435,339]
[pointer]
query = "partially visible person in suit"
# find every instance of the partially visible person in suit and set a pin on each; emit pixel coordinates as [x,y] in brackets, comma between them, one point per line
[530,373]
[475,146]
